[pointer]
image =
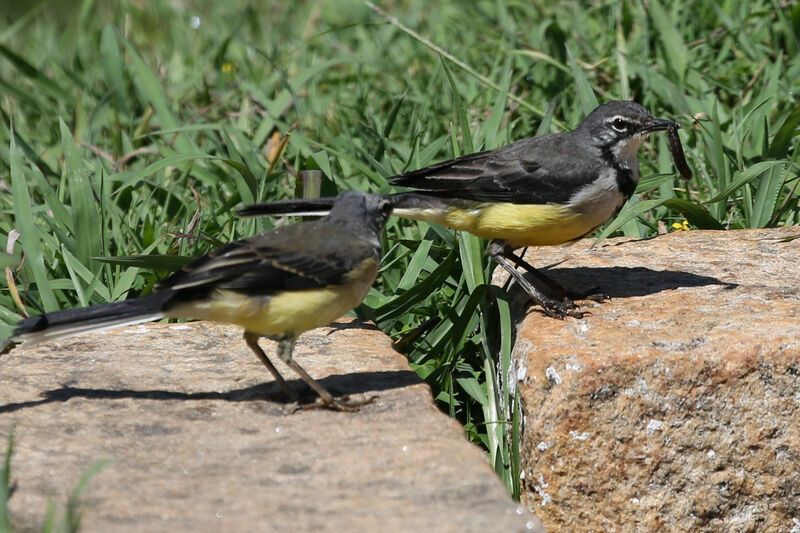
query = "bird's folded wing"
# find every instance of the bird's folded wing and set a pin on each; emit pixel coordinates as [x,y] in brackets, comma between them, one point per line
[492,176]
[259,266]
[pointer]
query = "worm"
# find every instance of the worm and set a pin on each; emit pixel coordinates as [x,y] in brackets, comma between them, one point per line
[678,157]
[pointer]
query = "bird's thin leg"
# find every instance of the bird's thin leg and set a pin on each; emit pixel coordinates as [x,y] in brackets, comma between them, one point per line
[252,342]
[285,347]
[595,293]
[541,276]
[552,307]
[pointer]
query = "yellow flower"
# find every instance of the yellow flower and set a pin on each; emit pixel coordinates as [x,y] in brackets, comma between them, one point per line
[228,67]
[681,226]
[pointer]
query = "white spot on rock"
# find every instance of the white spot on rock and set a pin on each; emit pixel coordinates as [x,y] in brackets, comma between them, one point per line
[522,369]
[579,436]
[551,374]
[546,498]
[653,426]
[542,446]
[575,367]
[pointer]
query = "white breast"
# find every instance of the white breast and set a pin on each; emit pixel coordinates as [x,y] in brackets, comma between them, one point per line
[599,200]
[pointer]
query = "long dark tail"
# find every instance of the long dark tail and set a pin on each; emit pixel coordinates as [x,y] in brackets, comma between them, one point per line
[299,207]
[321,206]
[69,322]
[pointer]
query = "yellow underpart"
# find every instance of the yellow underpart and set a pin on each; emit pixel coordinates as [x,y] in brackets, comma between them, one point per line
[287,312]
[520,224]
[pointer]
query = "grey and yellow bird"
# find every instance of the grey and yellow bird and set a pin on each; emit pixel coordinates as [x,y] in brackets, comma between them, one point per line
[277,284]
[539,191]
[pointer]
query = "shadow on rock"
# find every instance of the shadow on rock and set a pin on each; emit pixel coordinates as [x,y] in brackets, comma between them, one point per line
[338,385]
[625,282]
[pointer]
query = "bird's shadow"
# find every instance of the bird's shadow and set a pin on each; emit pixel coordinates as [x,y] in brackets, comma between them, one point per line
[626,282]
[338,385]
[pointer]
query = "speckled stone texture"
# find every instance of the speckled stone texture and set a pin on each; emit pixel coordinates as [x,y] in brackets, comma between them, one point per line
[200,441]
[675,406]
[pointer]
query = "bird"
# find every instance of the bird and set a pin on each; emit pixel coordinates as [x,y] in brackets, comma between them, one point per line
[545,190]
[276,284]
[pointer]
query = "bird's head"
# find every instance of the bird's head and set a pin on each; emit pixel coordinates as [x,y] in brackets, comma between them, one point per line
[362,212]
[619,127]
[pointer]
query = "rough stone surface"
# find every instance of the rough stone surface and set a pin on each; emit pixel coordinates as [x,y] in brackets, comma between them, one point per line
[200,441]
[675,406]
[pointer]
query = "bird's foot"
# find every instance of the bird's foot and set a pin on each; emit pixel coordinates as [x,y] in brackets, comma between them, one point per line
[594,294]
[561,308]
[342,405]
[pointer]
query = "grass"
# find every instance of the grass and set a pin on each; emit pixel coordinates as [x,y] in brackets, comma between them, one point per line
[69,521]
[130,130]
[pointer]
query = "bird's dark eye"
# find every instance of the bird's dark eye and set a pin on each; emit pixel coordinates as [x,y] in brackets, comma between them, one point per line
[386,207]
[619,125]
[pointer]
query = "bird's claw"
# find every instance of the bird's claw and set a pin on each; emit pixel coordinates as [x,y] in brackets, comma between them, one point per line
[342,405]
[562,309]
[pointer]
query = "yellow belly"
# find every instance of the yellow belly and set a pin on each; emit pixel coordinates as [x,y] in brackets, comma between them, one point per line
[287,313]
[519,224]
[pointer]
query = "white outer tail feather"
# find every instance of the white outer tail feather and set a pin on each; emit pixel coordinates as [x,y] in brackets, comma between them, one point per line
[75,329]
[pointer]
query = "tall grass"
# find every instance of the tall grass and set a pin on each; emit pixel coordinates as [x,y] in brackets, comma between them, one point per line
[130,130]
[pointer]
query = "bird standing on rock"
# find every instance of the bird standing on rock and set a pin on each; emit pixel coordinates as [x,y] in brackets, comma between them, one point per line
[544,190]
[276,284]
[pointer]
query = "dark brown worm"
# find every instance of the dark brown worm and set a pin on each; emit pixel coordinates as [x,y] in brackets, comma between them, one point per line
[676,150]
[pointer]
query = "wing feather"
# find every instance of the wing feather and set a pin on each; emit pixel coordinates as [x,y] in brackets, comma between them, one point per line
[275,261]
[538,170]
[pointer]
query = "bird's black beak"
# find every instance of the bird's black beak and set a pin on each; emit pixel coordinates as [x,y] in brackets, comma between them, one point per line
[659,124]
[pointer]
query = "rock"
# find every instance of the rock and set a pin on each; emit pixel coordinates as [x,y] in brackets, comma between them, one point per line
[674,406]
[200,441]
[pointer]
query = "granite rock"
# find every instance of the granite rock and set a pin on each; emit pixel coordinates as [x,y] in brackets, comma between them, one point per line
[675,405]
[200,440]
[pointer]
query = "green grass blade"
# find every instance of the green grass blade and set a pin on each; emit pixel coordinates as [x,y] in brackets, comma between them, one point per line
[85,218]
[31,244]
[742,178]
[586,95]
[42,81]
[767,195]
[73,515]
[628,213]
[675,50]
[80,275]
[544,125]
[406,301]
[622,56]
[779,148]
[113,68]
[151,91]
[470,250]
[696,215]
[415,266]
[5,484]
[461,112]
